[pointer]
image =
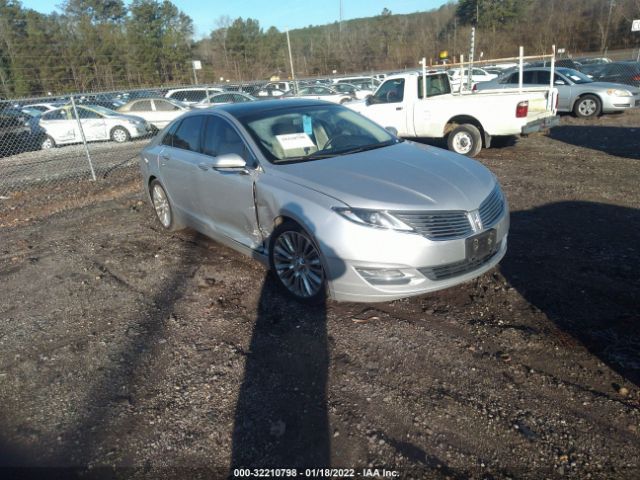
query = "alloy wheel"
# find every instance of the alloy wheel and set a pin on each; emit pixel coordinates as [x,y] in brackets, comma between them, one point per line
[297,264]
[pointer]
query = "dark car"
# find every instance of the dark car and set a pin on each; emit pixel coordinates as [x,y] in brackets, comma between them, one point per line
[18,132]
[619,72]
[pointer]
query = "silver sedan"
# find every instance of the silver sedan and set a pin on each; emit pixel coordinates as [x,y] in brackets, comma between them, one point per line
[333,203]
[577,93]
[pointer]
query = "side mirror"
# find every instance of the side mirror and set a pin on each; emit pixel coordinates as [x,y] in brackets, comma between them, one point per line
[228,161]
[368,100]
[559,82]
[392,130]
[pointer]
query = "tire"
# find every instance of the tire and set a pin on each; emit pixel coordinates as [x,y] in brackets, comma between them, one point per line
[296,263]
[587,106]
[162,207]
[465,139]
[47,143]
[120,135]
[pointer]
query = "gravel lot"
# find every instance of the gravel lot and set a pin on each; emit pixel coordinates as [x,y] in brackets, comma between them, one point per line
[129,352]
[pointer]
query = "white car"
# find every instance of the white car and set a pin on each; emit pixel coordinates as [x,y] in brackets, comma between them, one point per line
[318,92]
[44,107]
[192,95]
[477,75]
[157,111]
[98,123]
[223,98]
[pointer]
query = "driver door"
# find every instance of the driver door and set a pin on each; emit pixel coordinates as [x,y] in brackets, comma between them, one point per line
[387,108]
[93,124]
[226,203]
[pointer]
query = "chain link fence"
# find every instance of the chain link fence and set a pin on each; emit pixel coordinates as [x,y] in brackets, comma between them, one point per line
[86,136]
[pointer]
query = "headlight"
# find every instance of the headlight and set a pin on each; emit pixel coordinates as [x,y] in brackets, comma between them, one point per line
[373,218]
[619,93]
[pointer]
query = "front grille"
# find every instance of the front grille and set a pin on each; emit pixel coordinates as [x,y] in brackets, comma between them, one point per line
[437,225]
[491,208]
[450,270]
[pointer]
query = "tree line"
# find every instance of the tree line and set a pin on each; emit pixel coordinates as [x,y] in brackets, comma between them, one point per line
[98,45]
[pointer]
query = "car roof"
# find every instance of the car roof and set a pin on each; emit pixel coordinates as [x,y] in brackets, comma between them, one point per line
[248,108]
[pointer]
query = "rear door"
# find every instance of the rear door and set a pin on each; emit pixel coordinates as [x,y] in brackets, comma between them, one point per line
[179,160]
[387,106]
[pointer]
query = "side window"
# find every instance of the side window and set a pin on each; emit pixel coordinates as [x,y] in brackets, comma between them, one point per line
[543,77]
[85,113]
[527,77]
[187,136]
[190,95]
[55,115]
[168,137]
[142,106]
[391,91]
[436,85]
[221,138]
[164,106]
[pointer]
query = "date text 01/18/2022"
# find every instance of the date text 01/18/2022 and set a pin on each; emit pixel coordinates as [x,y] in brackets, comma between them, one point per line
[315,473]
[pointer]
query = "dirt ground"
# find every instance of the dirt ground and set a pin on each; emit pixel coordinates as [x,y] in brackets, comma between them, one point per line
[128,352]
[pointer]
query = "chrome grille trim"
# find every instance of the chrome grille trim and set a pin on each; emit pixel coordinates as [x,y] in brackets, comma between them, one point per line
[450,270]
[491,208]
[437,225]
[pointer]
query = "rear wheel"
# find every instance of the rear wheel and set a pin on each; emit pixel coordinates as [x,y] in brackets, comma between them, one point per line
[465,139]
[296,263]
[162,207]
[587,106]
[47,143]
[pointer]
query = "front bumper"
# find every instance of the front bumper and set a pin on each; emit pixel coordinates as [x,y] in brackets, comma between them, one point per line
[417,257]
[142,130]
[617,104]
[540,124]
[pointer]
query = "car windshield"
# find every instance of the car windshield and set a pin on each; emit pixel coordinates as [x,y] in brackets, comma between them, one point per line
[574,75]
[313,132]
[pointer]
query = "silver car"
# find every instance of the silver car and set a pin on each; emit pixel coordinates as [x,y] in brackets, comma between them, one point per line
[577,93]
[333,203]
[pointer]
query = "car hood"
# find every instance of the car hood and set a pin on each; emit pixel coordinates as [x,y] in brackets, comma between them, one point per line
[405,176]
[608,85]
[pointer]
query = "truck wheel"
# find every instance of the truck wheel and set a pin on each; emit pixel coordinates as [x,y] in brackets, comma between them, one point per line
[465,139]
[587,106]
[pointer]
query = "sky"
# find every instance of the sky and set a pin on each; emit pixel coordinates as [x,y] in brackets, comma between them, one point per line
[282,14]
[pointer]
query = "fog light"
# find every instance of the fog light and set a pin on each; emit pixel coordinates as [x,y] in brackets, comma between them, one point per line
[383,276]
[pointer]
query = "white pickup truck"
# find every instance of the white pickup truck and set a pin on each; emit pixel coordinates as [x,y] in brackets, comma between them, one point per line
[467,120]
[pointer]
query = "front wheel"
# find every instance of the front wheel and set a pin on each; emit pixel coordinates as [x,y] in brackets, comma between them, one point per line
[465,139]
[120,135]
[588,106]
[296,263]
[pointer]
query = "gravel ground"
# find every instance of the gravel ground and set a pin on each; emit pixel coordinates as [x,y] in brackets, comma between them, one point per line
[129,352]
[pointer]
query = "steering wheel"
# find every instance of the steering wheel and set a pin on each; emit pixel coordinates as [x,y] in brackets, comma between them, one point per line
[329,143]
[391,95]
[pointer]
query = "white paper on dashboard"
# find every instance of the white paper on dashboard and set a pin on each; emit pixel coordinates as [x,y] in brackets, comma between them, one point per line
[293,141]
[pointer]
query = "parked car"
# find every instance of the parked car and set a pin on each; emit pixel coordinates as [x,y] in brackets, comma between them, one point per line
[593,60]
[333,203]
[577,93]
[157,111]
[477,75]
[318,92]
[225,97]
[618,72]
[192,95]
[98,123]
[364,83]
[45,106]
[468,122]
[101,99]
[351,90]
[18,131]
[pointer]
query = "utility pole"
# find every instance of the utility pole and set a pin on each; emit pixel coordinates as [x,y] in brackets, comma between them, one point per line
[606,31]
[293,75]
[340,24]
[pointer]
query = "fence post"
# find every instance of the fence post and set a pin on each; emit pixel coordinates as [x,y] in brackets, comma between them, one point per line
[520,68]
[84,139]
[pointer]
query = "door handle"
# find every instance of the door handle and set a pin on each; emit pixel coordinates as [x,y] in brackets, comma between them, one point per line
[398,108]
[165,157]
[203,166]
